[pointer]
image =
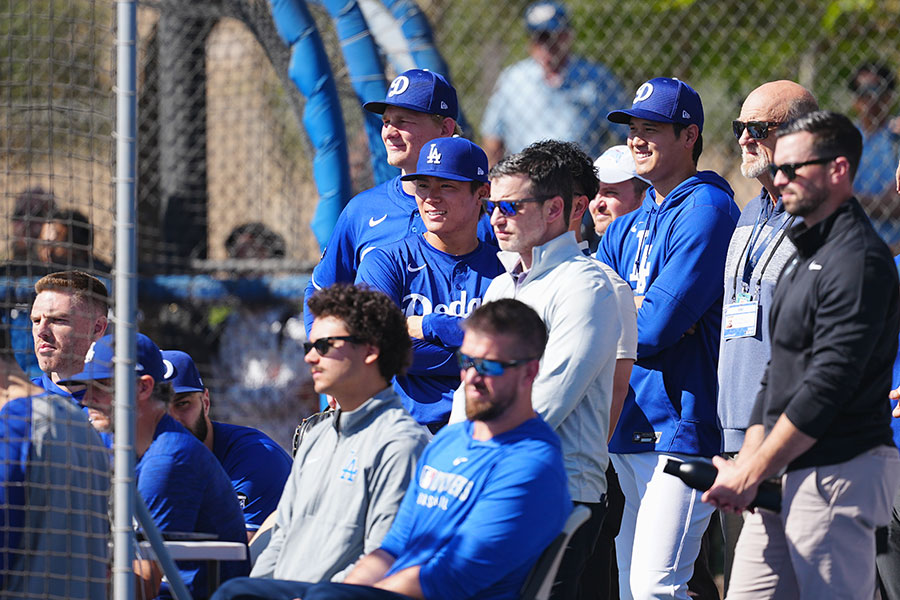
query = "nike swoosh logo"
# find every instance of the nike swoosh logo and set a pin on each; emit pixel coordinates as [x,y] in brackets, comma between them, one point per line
[814,266]
[364,252]
[373,221]
[413,269]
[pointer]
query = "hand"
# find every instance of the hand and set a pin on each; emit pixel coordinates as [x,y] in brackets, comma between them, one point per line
[414,327]
[731,491]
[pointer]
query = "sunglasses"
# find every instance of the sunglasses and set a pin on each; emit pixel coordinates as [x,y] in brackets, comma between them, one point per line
[790,169]
[487,367]
[324,345]
[508,208]
[758,130]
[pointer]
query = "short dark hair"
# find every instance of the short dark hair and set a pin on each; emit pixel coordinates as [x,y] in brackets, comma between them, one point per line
[580,165]
[833,135]
[698,145]
[84,286]
[370,316]
[548,174]
[880,70]
[514,318]
[80,232]
[33,203]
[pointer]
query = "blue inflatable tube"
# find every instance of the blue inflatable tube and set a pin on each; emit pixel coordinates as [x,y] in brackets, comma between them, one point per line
[420,39]
[366,75]
[322,118]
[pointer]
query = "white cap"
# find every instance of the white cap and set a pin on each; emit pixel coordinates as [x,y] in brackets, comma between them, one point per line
[616,165]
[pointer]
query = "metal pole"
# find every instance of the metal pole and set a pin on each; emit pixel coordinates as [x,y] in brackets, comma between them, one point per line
[125,283]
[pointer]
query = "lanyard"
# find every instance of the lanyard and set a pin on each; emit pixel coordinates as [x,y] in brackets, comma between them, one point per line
[754,251]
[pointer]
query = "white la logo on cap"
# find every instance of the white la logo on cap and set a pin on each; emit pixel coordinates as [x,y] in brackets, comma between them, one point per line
[434,157]
[643,93]
[398,86]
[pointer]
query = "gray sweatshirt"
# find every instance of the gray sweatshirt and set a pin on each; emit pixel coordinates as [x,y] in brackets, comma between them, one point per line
[349,475]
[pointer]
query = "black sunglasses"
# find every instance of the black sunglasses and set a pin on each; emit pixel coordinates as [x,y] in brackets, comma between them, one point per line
[758,130]
[790,169]
[486,366]
[508,208]
[324,345]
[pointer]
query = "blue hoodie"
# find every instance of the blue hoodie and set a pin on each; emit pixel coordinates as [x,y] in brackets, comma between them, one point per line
[674,256]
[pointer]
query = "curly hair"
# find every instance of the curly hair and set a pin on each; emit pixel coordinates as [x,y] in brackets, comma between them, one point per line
[373,318]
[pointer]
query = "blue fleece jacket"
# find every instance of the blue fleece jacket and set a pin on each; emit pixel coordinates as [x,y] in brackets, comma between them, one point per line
[673,255]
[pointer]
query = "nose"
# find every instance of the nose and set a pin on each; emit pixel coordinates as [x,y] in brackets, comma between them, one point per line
[745,138]
[780,180]
[39,328]
[496,215]
[311,357]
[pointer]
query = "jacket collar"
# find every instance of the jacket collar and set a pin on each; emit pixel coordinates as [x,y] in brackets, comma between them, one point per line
[543,258]
[351,422]
[809,239]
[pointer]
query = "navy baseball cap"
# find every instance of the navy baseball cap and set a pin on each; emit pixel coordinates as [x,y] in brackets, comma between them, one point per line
[422,91]
[98,363]
[546,16]
[664,100]
[453,158]
[187,377]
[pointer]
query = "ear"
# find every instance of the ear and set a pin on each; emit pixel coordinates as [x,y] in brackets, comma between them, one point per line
[553,209]
[205,400]
[840,170]
[448,126]
[483,192]
[99,329]
[531,371]
[689,135]
[579,206]
[144,387]
[372,354]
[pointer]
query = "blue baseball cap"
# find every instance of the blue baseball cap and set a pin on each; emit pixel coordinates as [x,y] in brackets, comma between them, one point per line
[420,90]
[98,363]
[453,158]
[664,100]
[187,377]
[546,16]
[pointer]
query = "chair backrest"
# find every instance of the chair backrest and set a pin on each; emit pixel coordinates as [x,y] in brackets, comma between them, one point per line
[540,580]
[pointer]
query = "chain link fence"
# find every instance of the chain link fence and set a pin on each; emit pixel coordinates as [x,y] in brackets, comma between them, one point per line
[228,185]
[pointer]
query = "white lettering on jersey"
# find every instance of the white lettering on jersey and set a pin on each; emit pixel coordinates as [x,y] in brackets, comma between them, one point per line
[434,157]
[640,269]
[398,86]
[417,304]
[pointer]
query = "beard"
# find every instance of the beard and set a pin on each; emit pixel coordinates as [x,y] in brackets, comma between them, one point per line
[200,429]
[487,409]
[752,166]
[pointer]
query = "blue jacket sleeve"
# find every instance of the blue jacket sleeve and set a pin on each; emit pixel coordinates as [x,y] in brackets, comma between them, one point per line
[443,329]
[506,528]
[337,265]
[690,280]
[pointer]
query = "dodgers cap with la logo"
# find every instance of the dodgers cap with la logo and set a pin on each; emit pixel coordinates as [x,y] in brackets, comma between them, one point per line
[453,158]
[187,377]
[665,100]
[422,91]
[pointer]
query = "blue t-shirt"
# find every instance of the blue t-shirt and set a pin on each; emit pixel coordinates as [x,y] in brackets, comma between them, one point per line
[674,256]
[376,217]
[186,490]
[878,163]
[423,281]
[526,108]
[257,467]
[479,514]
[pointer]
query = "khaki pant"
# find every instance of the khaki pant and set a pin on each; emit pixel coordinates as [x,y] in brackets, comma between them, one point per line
[822,545]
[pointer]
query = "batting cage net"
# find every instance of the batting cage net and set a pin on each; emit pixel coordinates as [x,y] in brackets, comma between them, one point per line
[251,138]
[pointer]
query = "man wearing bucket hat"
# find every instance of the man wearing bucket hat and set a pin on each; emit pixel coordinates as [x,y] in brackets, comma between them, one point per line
[419,106]
[181,482]
[256,465]
[438,278]
[552,94]
[672,253]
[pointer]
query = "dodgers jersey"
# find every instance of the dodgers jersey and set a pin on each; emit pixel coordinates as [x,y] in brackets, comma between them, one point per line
[478,514]
[674,256]
[443,288]
[376,217]
[257,467]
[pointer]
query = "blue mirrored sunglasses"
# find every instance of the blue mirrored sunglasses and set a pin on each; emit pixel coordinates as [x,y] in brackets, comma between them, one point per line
[508,208]
[486,366]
